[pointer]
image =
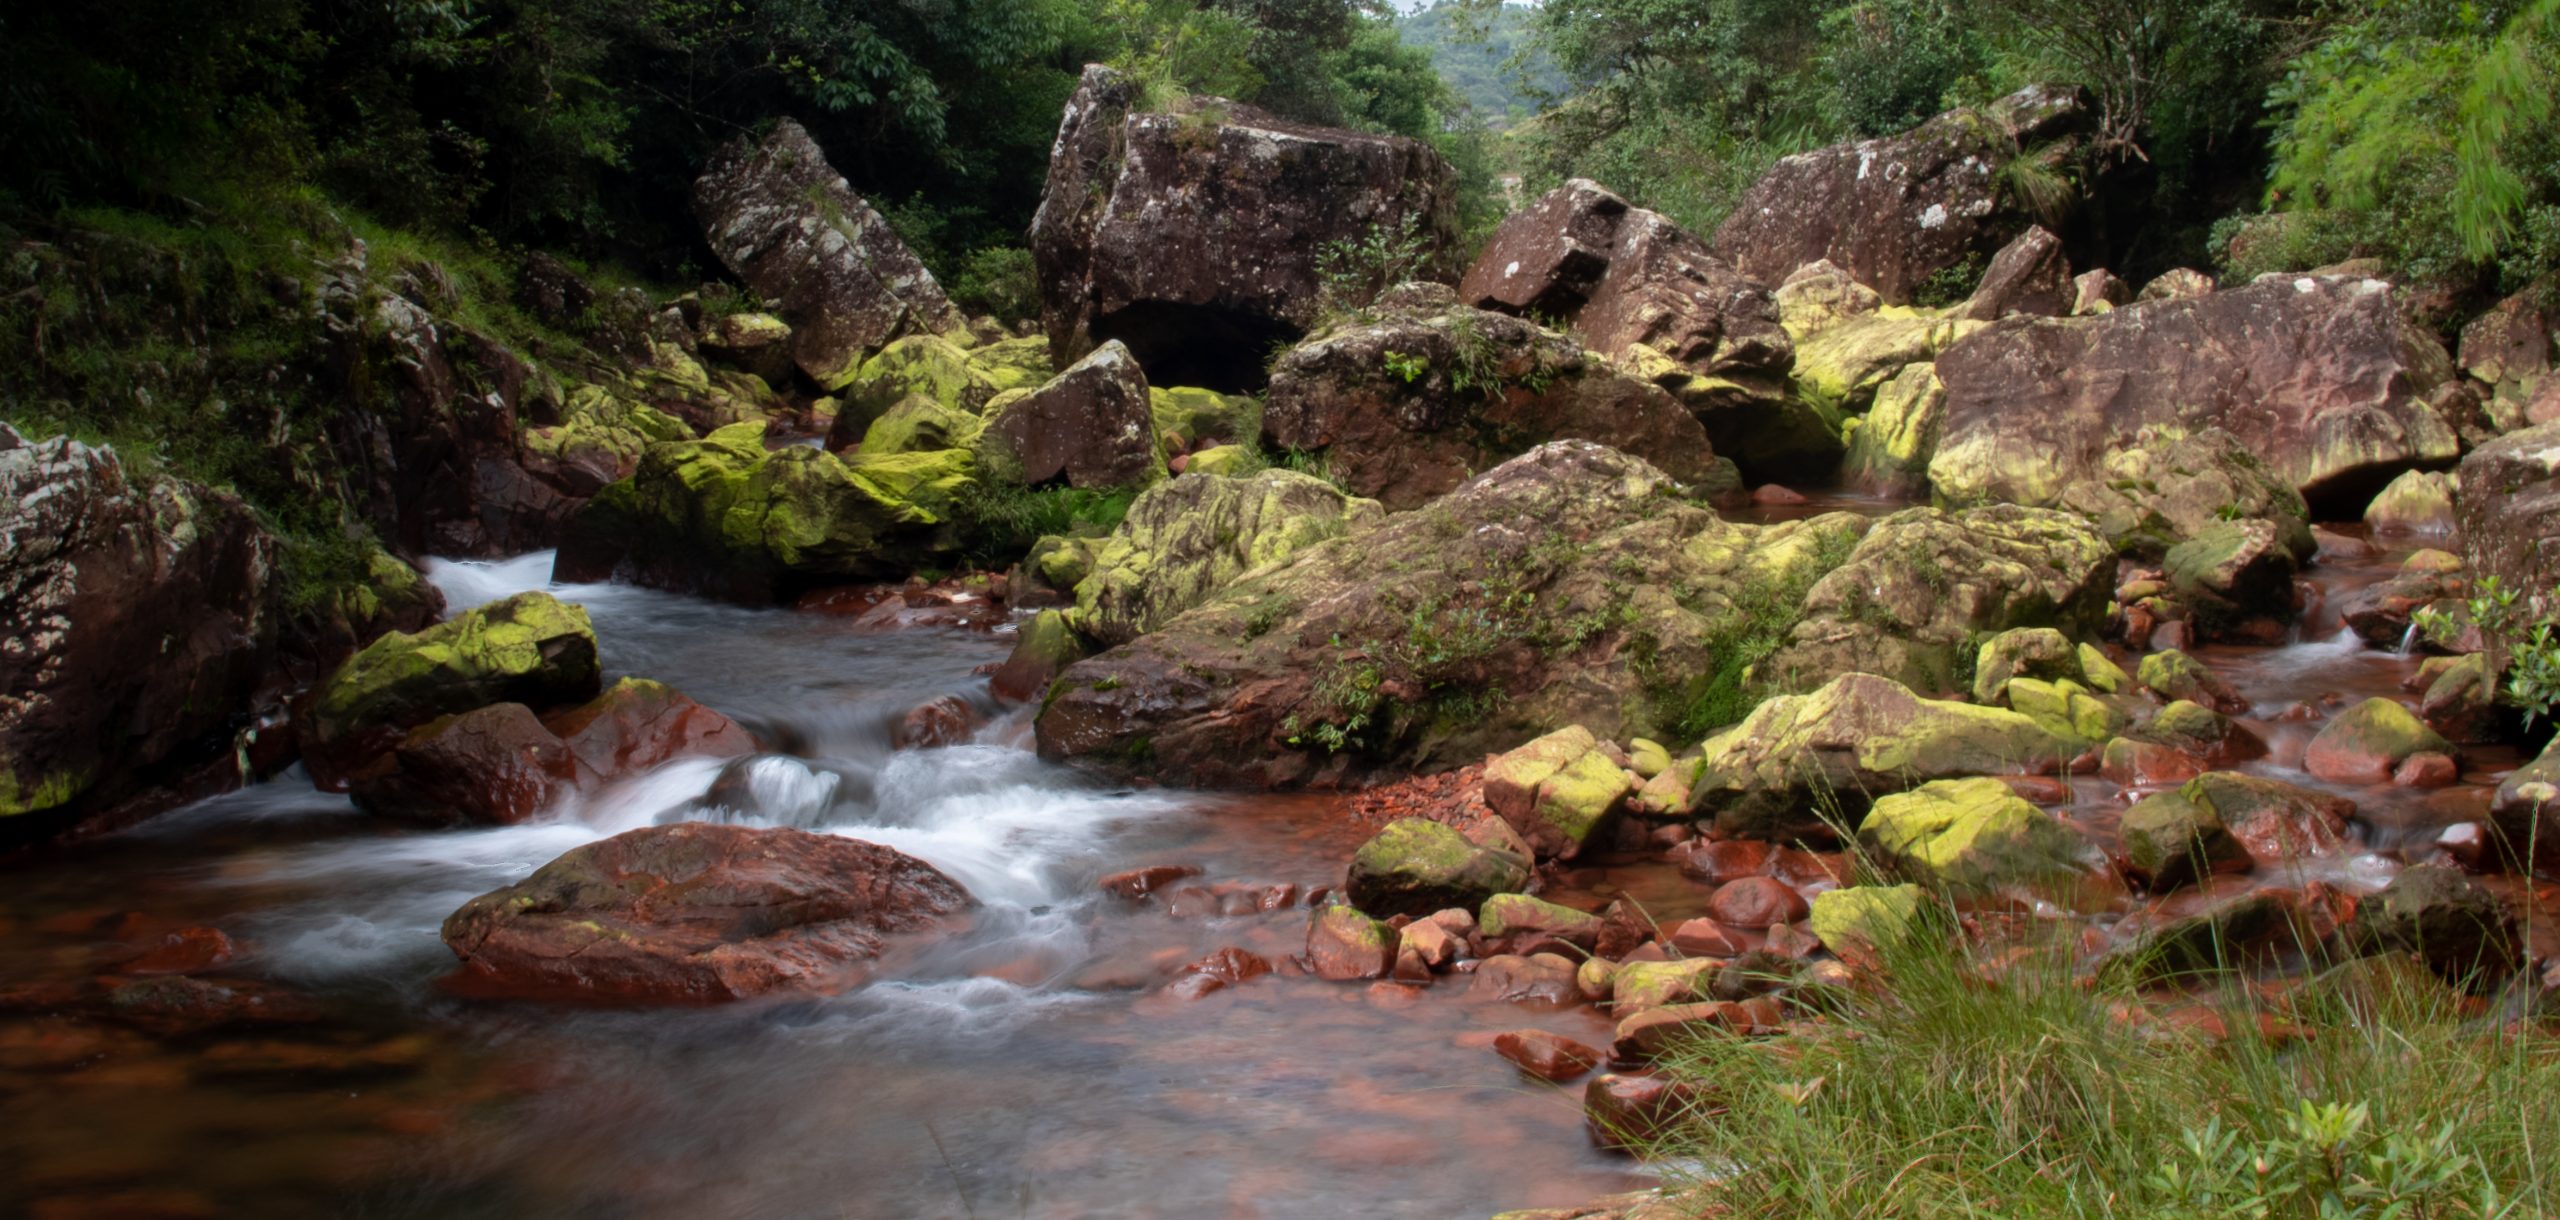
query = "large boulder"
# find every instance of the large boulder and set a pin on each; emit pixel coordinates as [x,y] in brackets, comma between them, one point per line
[1575,581]
[1196,237]
[503,763]
[1969,835]
[2320,376]
[697,913]
[2510,349]
[1896,211]
[1924,585]
[1556,791]
[782,220]
[725,517]
[1184,540]
[1091,426]
[1890,446]
[1417,866]
[1809,765]
[2172,485]
[139,623]
[530,649]
[1407,407]
[2508,510]
[1622,278]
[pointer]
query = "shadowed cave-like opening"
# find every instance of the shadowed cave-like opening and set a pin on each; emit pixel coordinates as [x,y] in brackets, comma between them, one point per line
[1227,350]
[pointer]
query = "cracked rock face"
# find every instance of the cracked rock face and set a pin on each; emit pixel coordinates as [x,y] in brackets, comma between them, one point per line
[137,624]
[785,222]
[1196,238]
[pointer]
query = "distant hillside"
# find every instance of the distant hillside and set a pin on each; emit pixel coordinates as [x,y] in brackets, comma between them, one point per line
[1481,71]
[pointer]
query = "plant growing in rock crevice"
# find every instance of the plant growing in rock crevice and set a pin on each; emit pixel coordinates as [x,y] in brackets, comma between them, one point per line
[2526,649]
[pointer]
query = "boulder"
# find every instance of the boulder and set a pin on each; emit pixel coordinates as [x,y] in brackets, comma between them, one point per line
[786,224]
[1046,645]
[1897,211]
[1756,903]
[1205,418]
[598,440]
[1556,791]
[1890,446]
[2272,820]
[140,620]
[726,517]
[698,913]
[2460,930]
[1343,945]
[493,766]
[2508,511]
[915,424]
[1868,917]
[1633,1112]
[2322,378]
[1622,277]
[757,343]
[2174,675]
[637,724]
[2024,652]
[1576,580]
[529,649]
[1184,540]
[2172,485]
[1196,237]
[1416,866]
[1849,343]
[1408,406]
[1090,426]
[1518,922]
[2030,275]
[2176,284]
[1855,739]
[2418,502]
[2510,348]
[2235,569]
[2098,291]
[2524,815]
[2170,840]
[1970,835]
[1541,978]
[2363,744]
[1924,584]
[1640,985]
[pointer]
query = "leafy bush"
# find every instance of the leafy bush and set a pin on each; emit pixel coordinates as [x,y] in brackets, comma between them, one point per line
[2530,646]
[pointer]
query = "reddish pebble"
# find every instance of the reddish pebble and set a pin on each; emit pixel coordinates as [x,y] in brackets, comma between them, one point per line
[1137,883]
[1756,902]
[1771,493]
[1699,938]
[184,951]
[1724,860]
[2426,769]
[1231,965]
[1546,1056]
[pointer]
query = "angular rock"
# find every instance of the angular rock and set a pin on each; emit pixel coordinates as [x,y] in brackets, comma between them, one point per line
[2365,742]
[1857,738]
[1556,791]
[2461,931]
[1893,211]
[637,724]
[1623,277]
[725,517]
[1195,237]
[1648,1035]
[2023,652]
[1640,986]
[1184,540]
[2273,820]
[698,913]
[529,649]
[1408,406]
[1970,835]
[2098,291]
[1547,1056]
[1547,577]
[1416,866]
[2170,840]
[2509,511]
[2170,485]
[1629,1112]
[2234,569]
[1540,978]
[2510,349]
[2030,275]
[2175,675]
[494,766]
[1343,944]
[1090,426]
[2176,284]
[1047,645]
[1890,446]
[1518,921]
[2321,377]
[139,619]
[786,224]
[1755,903]
[2524,816]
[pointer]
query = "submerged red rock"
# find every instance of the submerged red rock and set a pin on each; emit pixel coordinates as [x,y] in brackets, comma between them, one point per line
[697,913]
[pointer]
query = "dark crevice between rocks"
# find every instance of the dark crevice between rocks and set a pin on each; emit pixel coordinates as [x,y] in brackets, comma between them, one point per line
[2345,495]
[1226,350]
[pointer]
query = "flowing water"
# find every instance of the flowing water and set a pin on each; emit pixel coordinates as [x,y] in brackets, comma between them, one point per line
[1029,1067]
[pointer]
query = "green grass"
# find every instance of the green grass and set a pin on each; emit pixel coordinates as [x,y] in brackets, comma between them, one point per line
[1948,1091]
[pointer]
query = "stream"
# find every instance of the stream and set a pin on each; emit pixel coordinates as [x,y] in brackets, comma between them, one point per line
[1027,1067]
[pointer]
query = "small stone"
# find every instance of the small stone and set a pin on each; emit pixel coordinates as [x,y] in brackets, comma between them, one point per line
[2426,769]
[1546,1056]
[1756,902]
[1137,883]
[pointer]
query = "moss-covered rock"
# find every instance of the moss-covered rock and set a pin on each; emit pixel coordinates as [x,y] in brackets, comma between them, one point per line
[2366,742]
[1508,915]
[2459,929]
[2274,820]
[929,365]
[2170,840]
[2233,569]
[1013,364]
[1857,738]
[2024,652]
[724,516]
[1890,446]
[1048,644]
[2065,708]
[1872,916]
[1971,835]
[2172,674]
[529,648]
[1198,415]
[1226,461]
[1556,791]
[2418,502]
[920,424]
[1184,540]
[2165,486]
[1417,866]
[1846,362]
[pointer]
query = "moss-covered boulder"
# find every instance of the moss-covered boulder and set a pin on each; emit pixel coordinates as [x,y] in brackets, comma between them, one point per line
[1557,791]
[529,648]
[1864,916]
[1970,835]
[598,440]
[918,424]
[2024,652]
[1515,923]
[1013,364]
[1924,585]
[2418,502]
[1571,585]
[2166,485]
[2457,927]
[1807,764]
[725,517]
[2234,569]
[1197,415]
[1184,540]
[2065,708]
[1417,866]
[1227,461]
[1847,361]
[1889,447]
[1090,426]
[2274,820]
[2365,743]
[2172,674]
[1046,645]
[2170,840]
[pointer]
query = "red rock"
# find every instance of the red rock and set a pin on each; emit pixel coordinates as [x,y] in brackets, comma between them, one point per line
[1194,986]
[698,913]
[1137,883]
[185,951]
[1706,938]
[639,724]
[1623,926]
[1231,965]
[2426,769]
[1344,944]
[947,721]
[1546,978]
[2148,764]
[496,766]
[1640,1038]
[1625,1111]
[1806,869]
[1431,944]
[1772,494]
[2041,789]
[2467,844]
[1792,940]
[2172,634]
[183,1004]
[1546,1056]
[1756,902]
[1409,967]
[1724,860]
